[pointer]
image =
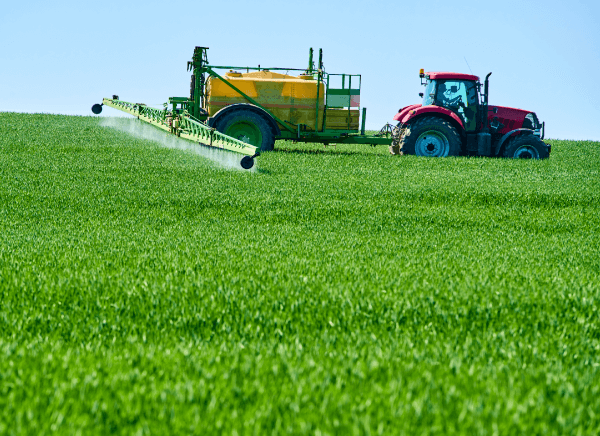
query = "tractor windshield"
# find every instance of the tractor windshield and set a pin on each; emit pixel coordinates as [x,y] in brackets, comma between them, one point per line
[451,94]
[429,93]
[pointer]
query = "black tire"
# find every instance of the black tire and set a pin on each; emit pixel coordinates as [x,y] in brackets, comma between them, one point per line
[526,147]
[431,136]
[247,126]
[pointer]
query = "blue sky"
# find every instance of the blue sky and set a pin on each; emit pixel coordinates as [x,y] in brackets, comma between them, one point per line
[62,57]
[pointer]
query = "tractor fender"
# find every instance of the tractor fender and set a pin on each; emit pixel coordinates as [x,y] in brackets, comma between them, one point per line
[402,112]
[411,114]
[507,135]
[212,121]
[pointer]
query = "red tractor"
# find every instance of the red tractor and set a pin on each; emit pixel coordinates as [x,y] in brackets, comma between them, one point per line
[455,120]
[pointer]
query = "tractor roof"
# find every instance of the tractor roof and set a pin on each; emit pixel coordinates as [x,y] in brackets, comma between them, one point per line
[456,76]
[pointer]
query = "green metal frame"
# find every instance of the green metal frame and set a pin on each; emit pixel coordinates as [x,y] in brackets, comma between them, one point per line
[344,91]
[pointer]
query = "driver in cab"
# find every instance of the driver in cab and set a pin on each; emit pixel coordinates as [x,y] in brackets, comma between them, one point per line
[445,96]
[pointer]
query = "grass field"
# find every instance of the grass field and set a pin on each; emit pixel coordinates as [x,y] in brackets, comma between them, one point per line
[338,291]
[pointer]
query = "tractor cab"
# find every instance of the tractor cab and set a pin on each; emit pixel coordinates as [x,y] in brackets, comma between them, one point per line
[455,92]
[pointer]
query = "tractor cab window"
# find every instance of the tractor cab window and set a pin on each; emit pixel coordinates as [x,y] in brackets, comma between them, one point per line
[472,95]
[429,94]
[451,94]
[460,97]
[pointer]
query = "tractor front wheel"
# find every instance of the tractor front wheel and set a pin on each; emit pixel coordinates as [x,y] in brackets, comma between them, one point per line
[526,147]
[430,136]
[248,127]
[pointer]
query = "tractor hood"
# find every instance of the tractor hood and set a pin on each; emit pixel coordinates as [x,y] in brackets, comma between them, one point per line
[511,118]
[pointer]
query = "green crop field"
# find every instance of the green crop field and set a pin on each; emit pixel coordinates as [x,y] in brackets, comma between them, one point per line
[330,291]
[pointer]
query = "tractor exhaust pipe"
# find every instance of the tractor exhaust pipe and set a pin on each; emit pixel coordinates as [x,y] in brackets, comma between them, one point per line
[484,109]
[486,92]
[484,138]
[247,162]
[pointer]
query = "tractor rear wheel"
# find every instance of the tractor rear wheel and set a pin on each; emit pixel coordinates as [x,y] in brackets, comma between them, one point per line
[526,147]
[431,136]
[248,127]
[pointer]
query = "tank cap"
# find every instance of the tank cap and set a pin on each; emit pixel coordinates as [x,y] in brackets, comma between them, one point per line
[232,73]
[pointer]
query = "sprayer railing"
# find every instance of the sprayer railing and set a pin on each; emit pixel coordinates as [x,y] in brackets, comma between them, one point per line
[156,115]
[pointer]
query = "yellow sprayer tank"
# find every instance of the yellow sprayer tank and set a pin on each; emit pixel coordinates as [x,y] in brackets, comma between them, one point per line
[289,98]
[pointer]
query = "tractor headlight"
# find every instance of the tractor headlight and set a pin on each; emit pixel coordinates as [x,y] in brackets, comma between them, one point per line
[531,121]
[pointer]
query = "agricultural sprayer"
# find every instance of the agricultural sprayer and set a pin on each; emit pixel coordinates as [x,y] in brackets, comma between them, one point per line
[246,112]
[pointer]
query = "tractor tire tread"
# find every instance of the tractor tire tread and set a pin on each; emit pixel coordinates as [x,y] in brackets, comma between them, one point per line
[412,131]
[518,141]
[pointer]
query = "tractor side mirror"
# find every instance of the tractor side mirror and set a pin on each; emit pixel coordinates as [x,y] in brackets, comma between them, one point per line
[421,94]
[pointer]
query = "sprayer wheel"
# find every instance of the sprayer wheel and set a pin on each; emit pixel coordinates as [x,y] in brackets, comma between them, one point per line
[247,126]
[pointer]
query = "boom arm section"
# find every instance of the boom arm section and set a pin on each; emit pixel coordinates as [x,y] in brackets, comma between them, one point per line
[180,123]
